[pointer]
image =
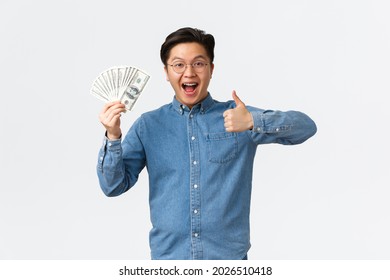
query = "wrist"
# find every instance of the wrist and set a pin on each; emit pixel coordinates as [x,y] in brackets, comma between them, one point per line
[113,136]
[250,121]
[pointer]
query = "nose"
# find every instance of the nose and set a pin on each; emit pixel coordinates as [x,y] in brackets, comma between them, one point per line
[189,71]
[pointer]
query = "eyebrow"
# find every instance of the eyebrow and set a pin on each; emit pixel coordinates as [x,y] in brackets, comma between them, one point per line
[196,57]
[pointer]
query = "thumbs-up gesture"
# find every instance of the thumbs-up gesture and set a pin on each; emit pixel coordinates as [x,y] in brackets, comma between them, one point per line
[238,119]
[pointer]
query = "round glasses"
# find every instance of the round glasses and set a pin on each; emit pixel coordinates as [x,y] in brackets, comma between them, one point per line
[180,67]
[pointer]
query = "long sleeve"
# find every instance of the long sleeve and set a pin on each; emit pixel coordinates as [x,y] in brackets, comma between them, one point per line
[287,128]
[119,164]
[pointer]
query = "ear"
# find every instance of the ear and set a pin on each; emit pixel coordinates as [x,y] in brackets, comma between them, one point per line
[166,73]
[211,70]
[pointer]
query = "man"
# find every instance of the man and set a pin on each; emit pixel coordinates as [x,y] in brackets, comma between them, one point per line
[199,155]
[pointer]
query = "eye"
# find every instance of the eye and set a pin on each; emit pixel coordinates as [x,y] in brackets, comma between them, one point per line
[178,65]
[198,64]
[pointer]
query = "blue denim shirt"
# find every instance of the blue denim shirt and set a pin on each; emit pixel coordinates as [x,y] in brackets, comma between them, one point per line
[200,176]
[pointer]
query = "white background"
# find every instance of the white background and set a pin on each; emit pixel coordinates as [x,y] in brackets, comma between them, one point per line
[325,199]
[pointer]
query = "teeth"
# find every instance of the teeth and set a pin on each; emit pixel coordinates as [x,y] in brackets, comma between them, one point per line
[190,84]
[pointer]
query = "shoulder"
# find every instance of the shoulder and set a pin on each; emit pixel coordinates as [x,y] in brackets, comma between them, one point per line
[147,119]
[156,113]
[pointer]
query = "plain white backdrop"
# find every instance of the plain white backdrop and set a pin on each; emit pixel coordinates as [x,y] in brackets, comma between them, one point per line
[325,199]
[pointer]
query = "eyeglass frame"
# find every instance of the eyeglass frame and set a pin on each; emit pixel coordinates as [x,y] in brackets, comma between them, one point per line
[192,64]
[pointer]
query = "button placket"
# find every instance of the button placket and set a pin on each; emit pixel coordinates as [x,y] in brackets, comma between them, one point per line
[196,245]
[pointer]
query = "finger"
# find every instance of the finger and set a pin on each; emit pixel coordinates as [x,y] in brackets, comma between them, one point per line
[112,122]
[111,115]
[114,112]
[228,123]
[115,107]
[107,110]
[237,100]
[227,113]
[110,104]
[115,118]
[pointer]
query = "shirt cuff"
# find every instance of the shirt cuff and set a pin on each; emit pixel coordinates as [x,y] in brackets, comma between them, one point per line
[269,122]
[111,143]
[258,122]
[119,139]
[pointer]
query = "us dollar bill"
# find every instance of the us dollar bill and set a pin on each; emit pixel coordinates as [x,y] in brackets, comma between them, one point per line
[123,83]
[134,89]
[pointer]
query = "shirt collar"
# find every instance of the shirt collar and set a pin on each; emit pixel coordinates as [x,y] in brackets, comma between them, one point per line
[207,103]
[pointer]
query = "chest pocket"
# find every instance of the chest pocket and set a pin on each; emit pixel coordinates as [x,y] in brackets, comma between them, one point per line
[222,147]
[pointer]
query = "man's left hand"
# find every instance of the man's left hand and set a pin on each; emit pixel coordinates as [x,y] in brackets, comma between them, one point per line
[238,119]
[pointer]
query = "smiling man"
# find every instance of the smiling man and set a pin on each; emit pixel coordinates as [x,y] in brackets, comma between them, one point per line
[199,154]
[192,70]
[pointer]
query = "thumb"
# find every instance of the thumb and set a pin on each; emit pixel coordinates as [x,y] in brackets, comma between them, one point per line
[238,101]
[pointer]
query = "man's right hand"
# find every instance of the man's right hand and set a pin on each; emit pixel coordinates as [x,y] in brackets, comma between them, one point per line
[110,118]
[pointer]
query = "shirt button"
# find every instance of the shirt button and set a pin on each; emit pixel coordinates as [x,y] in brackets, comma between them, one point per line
[194,162]
[109,144]
[196,234]
[195,186]
[277,129]
[101,158]
[193,138]
[258,129]
[191,116]
[196,211]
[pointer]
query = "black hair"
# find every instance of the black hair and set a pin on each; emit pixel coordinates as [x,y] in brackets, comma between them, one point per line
[187,35]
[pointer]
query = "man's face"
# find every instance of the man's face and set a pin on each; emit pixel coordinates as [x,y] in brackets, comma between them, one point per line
[191,85]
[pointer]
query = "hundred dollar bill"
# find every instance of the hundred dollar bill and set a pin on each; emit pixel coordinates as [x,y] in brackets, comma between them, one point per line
[134,89]
[100,88]
[124,83]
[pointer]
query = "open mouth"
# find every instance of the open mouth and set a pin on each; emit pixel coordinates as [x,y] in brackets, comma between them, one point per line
[189,87]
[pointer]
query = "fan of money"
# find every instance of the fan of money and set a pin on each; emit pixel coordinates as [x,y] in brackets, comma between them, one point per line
[124,83]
